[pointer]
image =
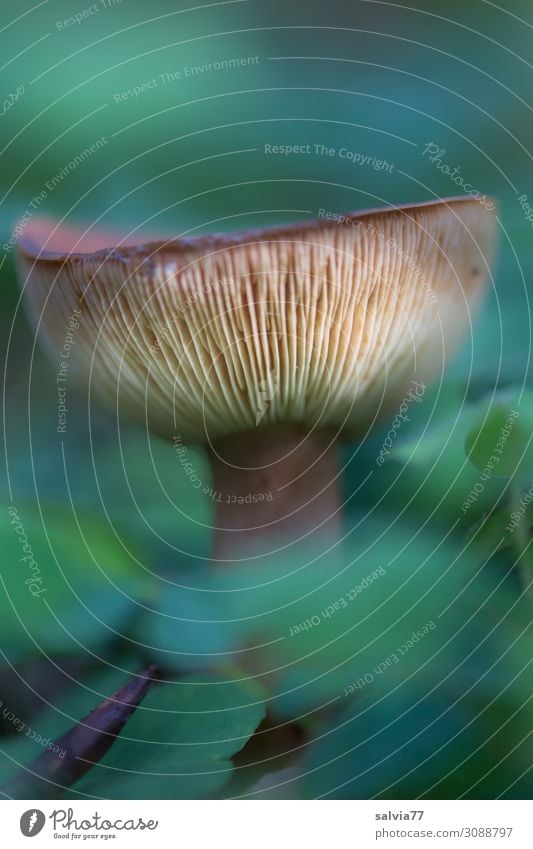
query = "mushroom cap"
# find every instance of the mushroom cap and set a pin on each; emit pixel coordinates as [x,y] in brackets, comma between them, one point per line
[323,323]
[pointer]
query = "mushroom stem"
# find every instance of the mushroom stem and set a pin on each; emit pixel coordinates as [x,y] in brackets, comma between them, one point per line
[273,486]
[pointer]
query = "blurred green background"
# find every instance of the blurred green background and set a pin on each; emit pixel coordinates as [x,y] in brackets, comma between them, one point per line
[121,537]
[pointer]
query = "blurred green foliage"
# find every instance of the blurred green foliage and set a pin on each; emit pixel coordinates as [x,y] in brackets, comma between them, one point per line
[121,538]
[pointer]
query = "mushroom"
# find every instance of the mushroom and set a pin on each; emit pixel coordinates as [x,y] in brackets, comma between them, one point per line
[265,346]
